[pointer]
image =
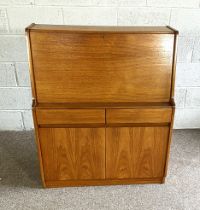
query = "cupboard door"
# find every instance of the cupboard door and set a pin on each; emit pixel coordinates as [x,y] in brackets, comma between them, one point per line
[73,153]
[136,152]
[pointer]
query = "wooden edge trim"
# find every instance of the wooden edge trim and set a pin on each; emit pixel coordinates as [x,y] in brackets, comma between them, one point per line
[29,27]
[97,125]
[98,32]
[38,146]
[105,29]
[161,124]
[163,180]
[32,76]
[173,102]
[169,143]
[174,66]
[87,125]
[33,103]
[140,107]
[173,29]
[81,183]
[113,105]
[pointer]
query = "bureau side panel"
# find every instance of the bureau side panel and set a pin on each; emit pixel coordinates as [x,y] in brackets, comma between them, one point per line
[102,67]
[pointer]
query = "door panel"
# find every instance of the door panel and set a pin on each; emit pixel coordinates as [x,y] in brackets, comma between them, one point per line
[136,152]
[73,153]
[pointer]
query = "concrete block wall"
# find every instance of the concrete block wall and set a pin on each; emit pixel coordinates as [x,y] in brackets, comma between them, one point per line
[15,15]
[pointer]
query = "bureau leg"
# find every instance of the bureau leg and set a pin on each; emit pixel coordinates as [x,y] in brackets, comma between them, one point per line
[163,180]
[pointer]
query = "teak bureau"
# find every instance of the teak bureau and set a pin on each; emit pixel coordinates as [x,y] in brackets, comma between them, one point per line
[103,102]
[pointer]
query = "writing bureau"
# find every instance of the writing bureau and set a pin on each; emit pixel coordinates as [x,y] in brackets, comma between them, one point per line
[103,102]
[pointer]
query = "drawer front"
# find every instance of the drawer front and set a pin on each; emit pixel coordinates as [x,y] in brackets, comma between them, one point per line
[139,115]
[70,116]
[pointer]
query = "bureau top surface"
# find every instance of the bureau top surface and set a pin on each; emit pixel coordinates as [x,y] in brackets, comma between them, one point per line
[103,29]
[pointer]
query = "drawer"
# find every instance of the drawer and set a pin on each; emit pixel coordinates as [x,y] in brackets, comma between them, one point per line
[139,115]
[70,116]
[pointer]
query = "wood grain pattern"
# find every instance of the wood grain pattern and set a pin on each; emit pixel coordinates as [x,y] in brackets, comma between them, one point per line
[174,66]
[70,116]
[39,150]
[104,105]
[103,102]
[169,141]
[102,182]
[102,67]
[31,70]
[139,115]
[136,152]
[73,153]
[102,29]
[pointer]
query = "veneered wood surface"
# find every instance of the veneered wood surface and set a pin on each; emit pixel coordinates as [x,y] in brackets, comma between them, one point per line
[139,115]
[39,151]
[136,152]
[105,105]
[102,67]
[102,29]
[73,153]
[31,71]
[121,78]
[169,141]
[70,116]
[63,183]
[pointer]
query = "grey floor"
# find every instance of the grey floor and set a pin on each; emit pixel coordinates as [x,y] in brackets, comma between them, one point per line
[20,186]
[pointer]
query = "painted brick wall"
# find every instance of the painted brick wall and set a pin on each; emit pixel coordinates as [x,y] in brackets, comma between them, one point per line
[15,15]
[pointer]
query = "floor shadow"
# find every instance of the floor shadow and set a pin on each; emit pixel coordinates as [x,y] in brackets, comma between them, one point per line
[19,165]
